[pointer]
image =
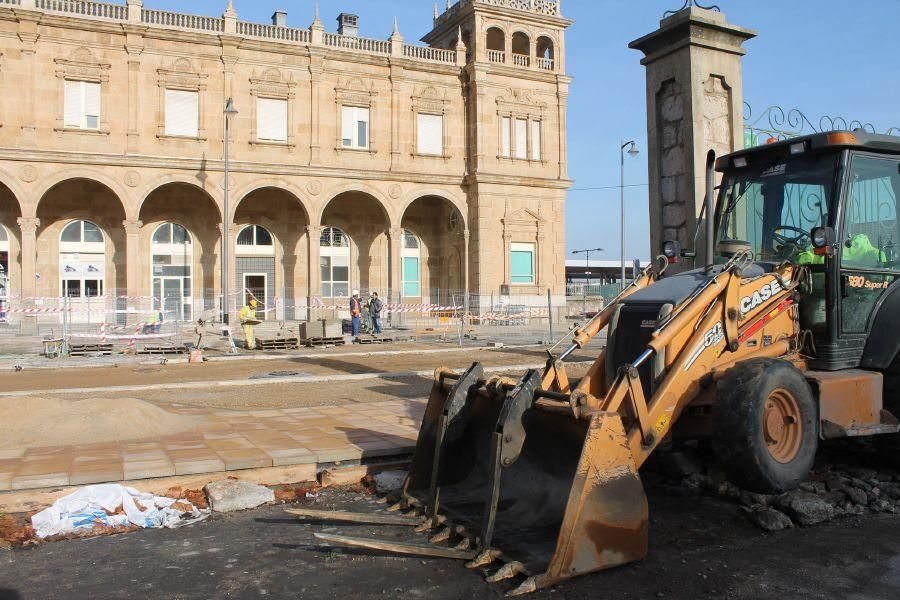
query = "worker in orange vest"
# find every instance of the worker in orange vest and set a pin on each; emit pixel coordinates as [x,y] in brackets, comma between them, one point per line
[355,310]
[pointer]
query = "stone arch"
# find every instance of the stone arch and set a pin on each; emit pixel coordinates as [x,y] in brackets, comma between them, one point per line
[458,202]
[199,181]
[283,186]
[521,42]
[366,220]
[10,212]
[439,224]
[495,37]
[284,214]
[545,47]
[80,198]
[192,207]
[106,180]
[358,187]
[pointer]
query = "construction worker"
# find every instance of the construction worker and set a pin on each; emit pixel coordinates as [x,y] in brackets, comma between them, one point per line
[247,317]
[355,311]
[375,307]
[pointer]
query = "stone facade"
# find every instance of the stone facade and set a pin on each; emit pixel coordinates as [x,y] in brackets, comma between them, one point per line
[131,170]
[694,104]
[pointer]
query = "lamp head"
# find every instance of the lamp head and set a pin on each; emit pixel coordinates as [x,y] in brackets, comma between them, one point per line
[633,151]
[230,110]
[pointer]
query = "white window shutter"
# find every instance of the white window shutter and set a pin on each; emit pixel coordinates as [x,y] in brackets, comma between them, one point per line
[504,137]
[271,119]
[362,128]
[348,125]
[431,134]
[72,111]
[521,138]
[92,105]
[182,113]
[535,140]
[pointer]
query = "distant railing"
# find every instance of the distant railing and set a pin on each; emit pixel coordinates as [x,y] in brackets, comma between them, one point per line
[357,43]
[272,32]
[521,60]
[83,8]
[541,7]
[428,53]
[9,1]
[183,21]
[545,64]
[497,56]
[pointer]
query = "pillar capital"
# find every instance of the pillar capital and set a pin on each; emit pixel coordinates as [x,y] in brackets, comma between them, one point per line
[132,226]
[28,225]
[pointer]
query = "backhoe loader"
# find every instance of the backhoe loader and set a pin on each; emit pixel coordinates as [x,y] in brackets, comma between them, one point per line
[787,335]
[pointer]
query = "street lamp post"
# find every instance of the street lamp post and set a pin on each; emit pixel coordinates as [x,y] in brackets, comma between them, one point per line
[587,270]
[230,111]
[632,152]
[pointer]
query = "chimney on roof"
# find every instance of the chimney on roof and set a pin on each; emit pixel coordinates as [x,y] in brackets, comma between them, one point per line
[279,19]
[348,24]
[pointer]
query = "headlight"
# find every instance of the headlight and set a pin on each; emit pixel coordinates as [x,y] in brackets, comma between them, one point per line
[819,237]
[671,249]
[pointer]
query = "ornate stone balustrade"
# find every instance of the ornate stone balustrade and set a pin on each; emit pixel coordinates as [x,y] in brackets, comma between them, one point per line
[496,56]
[272,32]
[541,7]
[182,21]
[429,53]
[521,60]
[545,64]
[83,8]
[357,43]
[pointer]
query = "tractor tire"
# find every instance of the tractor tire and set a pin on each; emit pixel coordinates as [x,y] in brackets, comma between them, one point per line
[765,425]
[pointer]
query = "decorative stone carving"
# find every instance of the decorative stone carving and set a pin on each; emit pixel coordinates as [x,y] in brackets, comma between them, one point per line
[28,173]
[717,117]
[396,191]
[132,179]
[314,187]
[231,183]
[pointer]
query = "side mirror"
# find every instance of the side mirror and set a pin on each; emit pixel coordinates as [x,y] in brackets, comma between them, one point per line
[671,249]
[823,240]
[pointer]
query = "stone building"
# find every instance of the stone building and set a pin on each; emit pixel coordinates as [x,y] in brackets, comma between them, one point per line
[414,170]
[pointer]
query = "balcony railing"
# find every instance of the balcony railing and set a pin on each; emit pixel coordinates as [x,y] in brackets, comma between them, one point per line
[542,7]
[521,60]
[9,1]
[545,64]
[272,32]
[83,8]
[182,21]
[357,43]
[496,56]
[429,53]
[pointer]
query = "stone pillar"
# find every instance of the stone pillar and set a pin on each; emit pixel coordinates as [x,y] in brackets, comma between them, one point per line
[134,10]
[316,69]
[134,45]
[694,104]
[134,285]
[314,275]
[396,78]
[395,239]
[562,98]
[28,227]
[28,36]
[230,16]
[461,49]
[396,40]
[234,286]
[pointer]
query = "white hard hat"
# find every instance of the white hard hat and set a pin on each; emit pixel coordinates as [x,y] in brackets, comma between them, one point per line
[356,292]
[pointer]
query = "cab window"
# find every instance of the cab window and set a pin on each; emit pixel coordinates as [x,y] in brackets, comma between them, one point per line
[871,234]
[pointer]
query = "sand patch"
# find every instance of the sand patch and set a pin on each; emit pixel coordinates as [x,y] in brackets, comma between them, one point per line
[38,421]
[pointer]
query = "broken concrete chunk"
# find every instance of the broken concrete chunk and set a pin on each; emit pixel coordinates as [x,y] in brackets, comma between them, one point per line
[768,518]
[389,481]
[230,495]
[857,496]
[752,499]
[805,508]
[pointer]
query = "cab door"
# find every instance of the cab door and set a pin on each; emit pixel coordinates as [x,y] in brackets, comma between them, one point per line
[868,248]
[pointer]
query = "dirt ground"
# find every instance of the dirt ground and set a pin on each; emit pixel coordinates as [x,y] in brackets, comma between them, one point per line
[321,363]
[700,548]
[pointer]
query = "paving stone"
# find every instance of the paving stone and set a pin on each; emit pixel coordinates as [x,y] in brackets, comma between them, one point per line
[148,469]
[282,457]
[85,473]
[244,459]
[43,480]
[230,495]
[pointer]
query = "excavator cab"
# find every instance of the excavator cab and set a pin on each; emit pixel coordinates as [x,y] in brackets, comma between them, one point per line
[783,337]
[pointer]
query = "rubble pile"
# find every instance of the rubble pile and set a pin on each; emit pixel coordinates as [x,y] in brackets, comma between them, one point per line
[835,488]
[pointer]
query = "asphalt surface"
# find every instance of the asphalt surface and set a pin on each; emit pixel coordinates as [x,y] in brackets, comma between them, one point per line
[701,547]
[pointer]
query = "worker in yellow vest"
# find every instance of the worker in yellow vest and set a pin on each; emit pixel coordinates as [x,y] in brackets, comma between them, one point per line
[247,317]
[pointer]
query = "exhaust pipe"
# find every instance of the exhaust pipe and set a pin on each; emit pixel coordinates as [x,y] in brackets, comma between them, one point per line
[710,208]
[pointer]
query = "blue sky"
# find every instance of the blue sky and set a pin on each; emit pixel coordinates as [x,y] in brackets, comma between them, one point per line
[824,57]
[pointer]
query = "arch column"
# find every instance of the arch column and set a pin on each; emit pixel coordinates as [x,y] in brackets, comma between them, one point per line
[133,283]
[314,277]
[395,241]
[28,226]
[231,267]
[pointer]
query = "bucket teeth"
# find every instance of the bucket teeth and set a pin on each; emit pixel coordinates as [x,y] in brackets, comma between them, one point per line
[483,559]
[466,543]
[507,571]
[382,500]
[528,586]
[441,536]
[431,523]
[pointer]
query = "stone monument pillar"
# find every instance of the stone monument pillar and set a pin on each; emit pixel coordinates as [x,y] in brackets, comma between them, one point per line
[694,104]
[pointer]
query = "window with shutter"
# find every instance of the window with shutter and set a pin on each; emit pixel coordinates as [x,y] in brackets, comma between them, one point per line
[271,119]
[355,127]
[504,137]
[535,140]
[82,105]
[431,134]
[91,105]
[182,113]
[72,117]
[521,138]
